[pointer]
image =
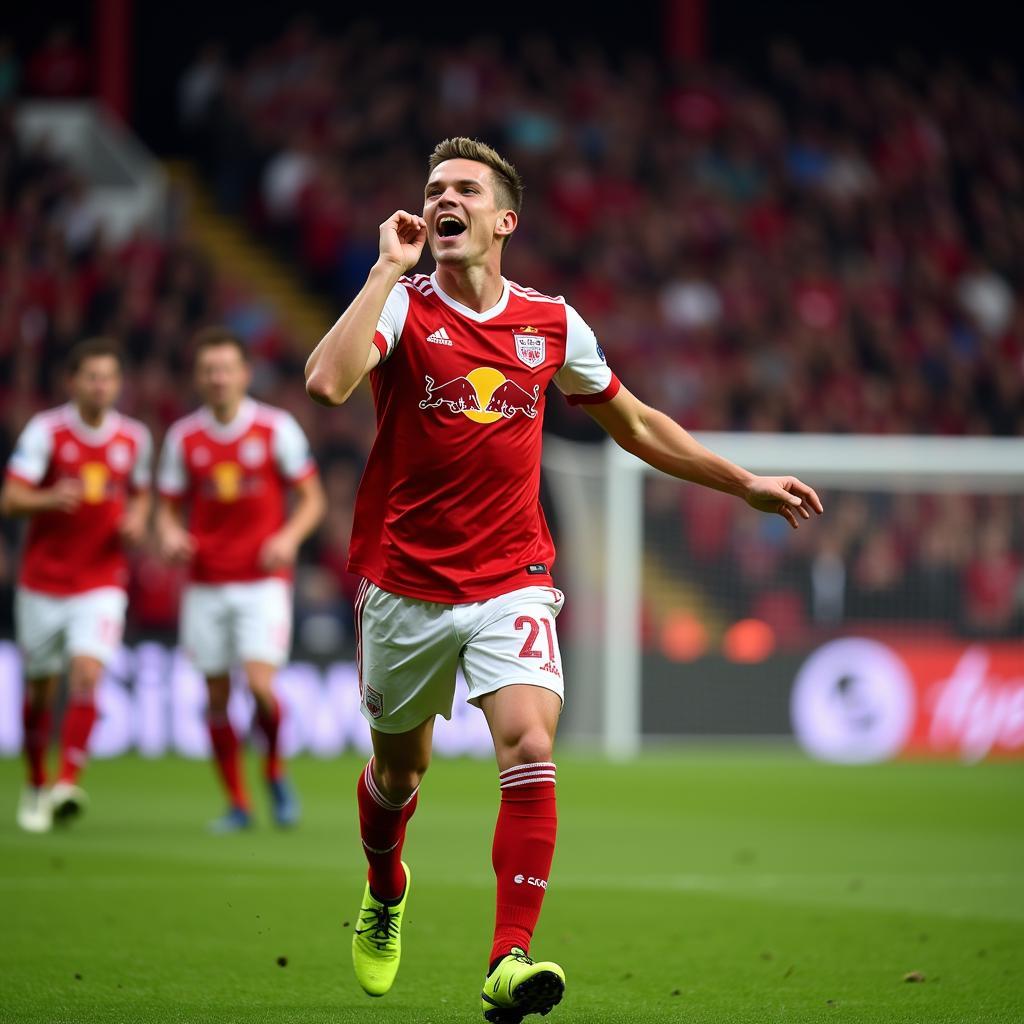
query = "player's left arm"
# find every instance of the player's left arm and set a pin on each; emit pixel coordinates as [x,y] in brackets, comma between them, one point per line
[295,463]
[139,506]
[280,549]
[659,441]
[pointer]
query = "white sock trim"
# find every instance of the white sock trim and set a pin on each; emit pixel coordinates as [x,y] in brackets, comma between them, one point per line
[378,797]
[524,767]
[527,774]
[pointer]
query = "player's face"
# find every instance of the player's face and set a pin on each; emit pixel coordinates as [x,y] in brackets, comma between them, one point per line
[461,212]
[222,376]
[96,383]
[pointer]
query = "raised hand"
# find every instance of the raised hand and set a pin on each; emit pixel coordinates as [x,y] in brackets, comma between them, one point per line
[402,237]
[65,495]
[785,496]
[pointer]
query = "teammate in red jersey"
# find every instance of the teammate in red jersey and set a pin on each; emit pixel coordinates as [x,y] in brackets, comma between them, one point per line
[81,472]
[452,544]
[224,480]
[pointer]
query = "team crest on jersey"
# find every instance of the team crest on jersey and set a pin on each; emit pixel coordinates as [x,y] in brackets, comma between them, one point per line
[69,451]
[373,701]
[252,452]
[529,346]
[200,456]
[119,455]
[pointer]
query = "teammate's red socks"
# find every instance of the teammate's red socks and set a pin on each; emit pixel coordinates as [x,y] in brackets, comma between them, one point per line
[79,718]
[36,720]
[524,843]
[382,828]
[226,754]
[269,722]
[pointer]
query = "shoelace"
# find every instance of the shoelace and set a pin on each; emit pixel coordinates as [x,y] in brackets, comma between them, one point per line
[384,928]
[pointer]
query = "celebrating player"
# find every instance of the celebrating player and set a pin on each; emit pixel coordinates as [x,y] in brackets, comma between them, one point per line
[224,480]
[81,472]
[452,544]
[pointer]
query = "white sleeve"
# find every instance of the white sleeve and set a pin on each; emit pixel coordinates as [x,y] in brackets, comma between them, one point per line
[31,456]
[392,320]
[172,477]
[585,376]
[291,449]
[142,471]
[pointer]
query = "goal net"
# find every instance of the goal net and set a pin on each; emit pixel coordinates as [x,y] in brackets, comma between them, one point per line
[891,626]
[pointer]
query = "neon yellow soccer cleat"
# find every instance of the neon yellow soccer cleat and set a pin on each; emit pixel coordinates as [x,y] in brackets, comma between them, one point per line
[377,941]
[518,986]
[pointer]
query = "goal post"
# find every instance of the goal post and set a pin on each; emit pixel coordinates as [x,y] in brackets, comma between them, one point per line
[600,499]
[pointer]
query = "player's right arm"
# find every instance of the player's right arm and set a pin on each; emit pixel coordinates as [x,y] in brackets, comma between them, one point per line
[346,353]
[21,494]
[175,543]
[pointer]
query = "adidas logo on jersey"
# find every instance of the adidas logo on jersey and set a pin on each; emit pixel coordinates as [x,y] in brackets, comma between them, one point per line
[440,337]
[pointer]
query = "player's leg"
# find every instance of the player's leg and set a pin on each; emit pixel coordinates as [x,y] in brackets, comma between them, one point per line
[407,653]
[67,798]
[514,671]
[206,637]
[267,719]
[227,756]
[261,624]
[34,812]
[386,794]
[95,626]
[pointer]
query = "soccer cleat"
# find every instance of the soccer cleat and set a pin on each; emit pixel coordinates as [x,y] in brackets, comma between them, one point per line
[377,940]
[517,987]
[234,819]
[34,811]
[284,803]
[67,802]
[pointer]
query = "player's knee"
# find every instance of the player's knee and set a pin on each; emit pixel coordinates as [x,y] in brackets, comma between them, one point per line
[398,783]
[531,747]
[218,692]
[84,677]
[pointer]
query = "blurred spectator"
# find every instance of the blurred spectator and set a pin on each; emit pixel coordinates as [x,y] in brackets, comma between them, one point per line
[59,68]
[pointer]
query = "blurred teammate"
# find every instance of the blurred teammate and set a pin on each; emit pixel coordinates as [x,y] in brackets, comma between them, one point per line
[452,544]
[81,472]
[224,481]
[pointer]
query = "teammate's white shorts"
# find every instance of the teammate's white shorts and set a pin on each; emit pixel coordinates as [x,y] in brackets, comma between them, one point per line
[407,651]
[226,623]
[50,629]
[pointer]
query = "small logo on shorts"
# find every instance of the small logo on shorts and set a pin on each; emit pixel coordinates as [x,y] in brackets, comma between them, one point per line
[537,569]
[373,701]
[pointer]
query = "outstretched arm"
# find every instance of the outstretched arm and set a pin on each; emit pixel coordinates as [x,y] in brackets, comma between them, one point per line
[660,441]
[346,353]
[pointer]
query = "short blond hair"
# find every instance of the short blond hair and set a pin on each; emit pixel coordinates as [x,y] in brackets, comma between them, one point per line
[508,185]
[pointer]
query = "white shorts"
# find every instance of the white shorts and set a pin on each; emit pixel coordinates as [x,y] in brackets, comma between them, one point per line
[226,623]
[408,651]
[51,629]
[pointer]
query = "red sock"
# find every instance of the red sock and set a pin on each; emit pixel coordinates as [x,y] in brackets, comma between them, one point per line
[269,724]
[79,719]
[382,829]
[36,720]
[524,843]
[225,751]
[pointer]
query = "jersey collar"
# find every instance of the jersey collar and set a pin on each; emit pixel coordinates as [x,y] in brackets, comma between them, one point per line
[92,435]
[234,429]
[488,314]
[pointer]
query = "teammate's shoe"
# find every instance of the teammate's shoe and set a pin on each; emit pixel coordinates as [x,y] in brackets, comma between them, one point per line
[234,819]
[284,803]
[517,986]
[67,802]
[34,811]
[377,940]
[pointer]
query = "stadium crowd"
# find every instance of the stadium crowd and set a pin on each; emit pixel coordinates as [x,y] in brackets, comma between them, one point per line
[798,248]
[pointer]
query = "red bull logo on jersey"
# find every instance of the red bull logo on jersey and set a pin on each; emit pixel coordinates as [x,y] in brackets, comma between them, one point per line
[485,395]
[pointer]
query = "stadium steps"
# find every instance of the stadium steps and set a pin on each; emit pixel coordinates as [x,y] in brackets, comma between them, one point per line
[243,257]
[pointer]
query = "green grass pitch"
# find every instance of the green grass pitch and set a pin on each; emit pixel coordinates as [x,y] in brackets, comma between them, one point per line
[706,885]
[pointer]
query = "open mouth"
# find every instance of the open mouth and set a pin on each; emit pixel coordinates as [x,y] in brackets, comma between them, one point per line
[449,226]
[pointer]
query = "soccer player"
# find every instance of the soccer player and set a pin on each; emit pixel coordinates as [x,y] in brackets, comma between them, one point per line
[224,480]
[449,536]
[81,473]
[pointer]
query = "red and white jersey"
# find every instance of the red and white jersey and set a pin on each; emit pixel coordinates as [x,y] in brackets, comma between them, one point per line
[448,508]
[71,552]
[234,478]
